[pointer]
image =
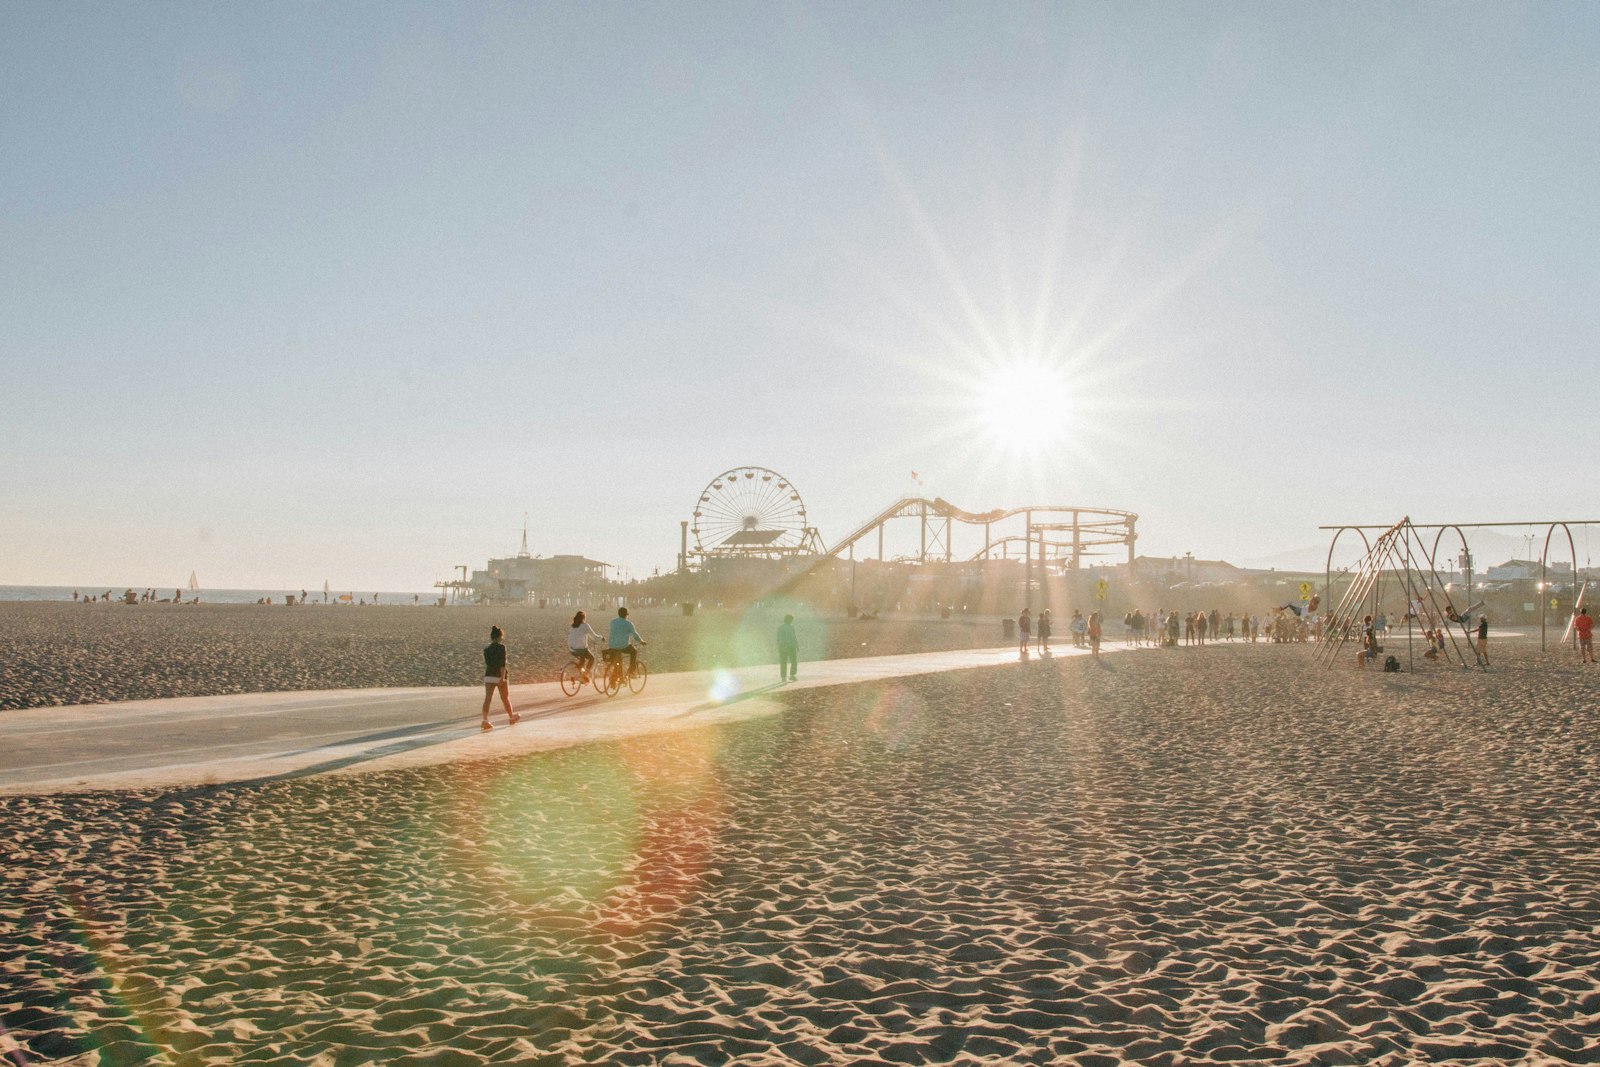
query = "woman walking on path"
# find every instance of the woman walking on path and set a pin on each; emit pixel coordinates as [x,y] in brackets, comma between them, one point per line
[1044,632]
[1095,632]
[496,676]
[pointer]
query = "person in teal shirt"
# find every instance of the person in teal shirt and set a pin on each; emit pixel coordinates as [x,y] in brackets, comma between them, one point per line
[788,650]
[620,639]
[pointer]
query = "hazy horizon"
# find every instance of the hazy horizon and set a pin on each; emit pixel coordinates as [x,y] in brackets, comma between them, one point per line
[345,293]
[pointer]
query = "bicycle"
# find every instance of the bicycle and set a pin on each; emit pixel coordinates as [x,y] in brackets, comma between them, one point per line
[574,676]
[615,675]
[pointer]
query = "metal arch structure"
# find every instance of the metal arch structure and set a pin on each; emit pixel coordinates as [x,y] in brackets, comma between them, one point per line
[1327,567]
[749,512]
[1460,528]
[1544,557]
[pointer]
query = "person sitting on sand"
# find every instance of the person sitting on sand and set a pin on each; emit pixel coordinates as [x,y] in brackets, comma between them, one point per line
[578,638]
[496,676]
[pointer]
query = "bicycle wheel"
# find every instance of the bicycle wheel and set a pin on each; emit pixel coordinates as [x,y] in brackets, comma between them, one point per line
[597,674]
[613,678]
[571,679]
[637,679]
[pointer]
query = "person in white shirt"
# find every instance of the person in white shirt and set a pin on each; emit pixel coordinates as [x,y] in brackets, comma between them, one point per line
[578,638]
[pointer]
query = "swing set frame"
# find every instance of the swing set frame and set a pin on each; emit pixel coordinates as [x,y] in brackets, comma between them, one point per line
[1431,554]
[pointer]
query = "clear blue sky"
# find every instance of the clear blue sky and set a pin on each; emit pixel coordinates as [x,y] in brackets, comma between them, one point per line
[303,291]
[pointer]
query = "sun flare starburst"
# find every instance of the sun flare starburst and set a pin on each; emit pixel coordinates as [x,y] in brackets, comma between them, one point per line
[1024,403]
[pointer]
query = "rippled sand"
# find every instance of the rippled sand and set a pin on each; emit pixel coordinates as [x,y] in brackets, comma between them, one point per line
[1167,858]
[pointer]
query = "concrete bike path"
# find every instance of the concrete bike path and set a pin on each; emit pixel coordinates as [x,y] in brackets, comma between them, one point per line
[196,741]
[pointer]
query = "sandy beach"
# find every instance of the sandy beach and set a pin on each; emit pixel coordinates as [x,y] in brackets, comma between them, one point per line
[62,653]
[1164,858]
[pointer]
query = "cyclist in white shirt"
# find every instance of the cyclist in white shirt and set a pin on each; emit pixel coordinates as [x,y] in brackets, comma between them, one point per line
[578,638]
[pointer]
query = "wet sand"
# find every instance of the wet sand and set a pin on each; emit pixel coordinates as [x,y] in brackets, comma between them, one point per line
[62,653]
[1168,858]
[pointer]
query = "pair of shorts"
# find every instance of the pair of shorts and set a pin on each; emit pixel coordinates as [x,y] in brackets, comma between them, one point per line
[487,680]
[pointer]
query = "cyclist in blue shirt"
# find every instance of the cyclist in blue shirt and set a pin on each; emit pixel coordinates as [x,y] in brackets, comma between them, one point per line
[623,634]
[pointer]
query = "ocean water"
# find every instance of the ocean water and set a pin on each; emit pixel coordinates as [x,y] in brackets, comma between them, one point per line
[216,596]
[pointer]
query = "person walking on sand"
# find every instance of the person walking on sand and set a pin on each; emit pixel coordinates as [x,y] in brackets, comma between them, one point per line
[1583,628]
[1095,632]
[1483,638]
[1025,630]
[1044,632]
[496,676]
[788,650]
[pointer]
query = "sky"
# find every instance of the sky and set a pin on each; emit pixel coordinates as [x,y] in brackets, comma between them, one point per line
[295,292]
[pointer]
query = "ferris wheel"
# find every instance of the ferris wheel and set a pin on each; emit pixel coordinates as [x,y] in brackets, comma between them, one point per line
[749,511]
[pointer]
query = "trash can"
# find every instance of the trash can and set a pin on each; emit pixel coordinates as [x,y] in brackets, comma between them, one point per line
[1008,626]
[688,607]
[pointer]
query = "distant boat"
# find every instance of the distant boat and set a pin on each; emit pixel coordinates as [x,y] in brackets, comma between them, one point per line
[194,586]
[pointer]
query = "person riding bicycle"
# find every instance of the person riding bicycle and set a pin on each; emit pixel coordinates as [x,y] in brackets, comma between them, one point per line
[578,638]
[623,634]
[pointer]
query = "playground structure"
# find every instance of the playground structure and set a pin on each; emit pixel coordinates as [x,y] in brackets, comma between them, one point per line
[1398,555]
[1412,537]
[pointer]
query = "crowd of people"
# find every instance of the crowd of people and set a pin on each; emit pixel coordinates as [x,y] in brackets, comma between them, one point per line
[1290,624]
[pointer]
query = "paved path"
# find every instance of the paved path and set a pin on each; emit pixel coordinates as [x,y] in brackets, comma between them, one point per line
[188,741]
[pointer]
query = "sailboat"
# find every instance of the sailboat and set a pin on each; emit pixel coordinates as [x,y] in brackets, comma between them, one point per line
[194,584]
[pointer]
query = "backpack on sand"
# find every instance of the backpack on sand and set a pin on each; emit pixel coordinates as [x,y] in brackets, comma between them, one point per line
[1391,665]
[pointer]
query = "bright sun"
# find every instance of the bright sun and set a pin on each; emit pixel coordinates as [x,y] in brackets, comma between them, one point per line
[1025,403]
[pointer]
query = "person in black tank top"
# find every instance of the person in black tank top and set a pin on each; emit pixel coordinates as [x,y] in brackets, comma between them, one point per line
[496,677]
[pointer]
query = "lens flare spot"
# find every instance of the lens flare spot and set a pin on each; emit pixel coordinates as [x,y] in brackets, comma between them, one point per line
[724,686]
[897,718]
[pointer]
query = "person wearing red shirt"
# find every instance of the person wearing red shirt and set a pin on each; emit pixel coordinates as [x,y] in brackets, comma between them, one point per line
[1583,625]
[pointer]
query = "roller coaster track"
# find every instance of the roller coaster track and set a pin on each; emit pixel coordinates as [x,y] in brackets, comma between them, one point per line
[1092,527]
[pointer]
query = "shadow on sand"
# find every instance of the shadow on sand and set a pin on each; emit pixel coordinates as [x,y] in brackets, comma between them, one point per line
[736,698]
